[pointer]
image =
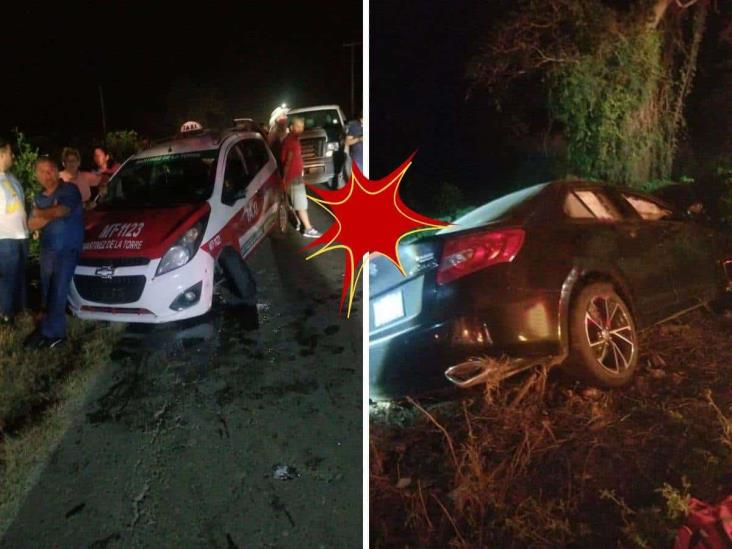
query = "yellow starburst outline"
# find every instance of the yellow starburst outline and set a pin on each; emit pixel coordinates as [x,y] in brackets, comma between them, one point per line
[396,181]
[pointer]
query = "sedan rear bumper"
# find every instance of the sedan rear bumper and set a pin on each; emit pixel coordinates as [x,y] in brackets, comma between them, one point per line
[414,359]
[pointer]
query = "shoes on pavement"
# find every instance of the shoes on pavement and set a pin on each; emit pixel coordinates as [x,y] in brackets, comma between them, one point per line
[312,232]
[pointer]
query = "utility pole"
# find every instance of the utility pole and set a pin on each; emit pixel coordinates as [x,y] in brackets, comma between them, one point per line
[352,46]
[104,114]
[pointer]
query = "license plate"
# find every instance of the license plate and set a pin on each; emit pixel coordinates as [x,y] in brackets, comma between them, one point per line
[388,308]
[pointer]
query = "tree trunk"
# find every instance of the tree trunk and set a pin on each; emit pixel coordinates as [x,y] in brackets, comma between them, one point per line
[657,13]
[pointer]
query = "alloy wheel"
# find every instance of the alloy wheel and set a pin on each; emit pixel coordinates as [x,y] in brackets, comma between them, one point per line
[610,333]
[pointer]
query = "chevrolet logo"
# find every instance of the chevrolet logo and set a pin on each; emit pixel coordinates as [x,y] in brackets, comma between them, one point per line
[105,272]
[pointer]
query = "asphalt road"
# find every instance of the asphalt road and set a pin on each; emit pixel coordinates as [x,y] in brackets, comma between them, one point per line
[242,429]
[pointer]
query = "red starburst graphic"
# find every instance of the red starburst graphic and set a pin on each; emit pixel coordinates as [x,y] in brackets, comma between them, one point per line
[370,217]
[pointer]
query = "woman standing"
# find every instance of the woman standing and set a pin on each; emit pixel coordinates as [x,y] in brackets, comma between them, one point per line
[106,167]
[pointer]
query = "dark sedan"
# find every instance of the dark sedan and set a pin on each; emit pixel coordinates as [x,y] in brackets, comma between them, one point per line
[567,271]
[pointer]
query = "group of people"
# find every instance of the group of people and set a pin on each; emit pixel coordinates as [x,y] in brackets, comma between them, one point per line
[284,140]
[57,214]
[91,185]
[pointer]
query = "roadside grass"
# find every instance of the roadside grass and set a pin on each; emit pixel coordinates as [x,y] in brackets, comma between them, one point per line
[41,393]
[540,462]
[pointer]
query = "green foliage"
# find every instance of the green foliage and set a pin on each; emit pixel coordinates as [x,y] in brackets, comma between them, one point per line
[648,526]
[121,144]
[608,101]
[616,79]
[43,393]
[677,501]
[448,201]
[653,185]
[723,181]
[24,170]
[24,165]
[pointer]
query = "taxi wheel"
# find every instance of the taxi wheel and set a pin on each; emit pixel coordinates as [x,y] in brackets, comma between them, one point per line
[239,287]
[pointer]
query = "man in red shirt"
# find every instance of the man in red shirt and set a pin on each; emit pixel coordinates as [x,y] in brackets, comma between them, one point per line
[293,175]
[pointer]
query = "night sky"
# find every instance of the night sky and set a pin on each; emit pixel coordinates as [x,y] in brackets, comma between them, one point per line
[417,97]
[418,102]
[255,55]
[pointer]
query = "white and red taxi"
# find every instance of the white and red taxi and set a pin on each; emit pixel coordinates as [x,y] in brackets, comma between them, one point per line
[175,217]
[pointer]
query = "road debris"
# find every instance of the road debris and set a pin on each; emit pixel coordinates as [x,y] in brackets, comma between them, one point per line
[75,510]
[136,503]
[284,472]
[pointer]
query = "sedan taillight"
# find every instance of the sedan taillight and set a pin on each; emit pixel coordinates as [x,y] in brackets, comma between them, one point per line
[465,254]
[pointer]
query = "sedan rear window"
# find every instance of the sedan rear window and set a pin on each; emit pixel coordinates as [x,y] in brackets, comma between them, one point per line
[647,209]
[576,209]
[580,202]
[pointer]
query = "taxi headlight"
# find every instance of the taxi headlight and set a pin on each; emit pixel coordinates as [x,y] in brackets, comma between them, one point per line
[183,250]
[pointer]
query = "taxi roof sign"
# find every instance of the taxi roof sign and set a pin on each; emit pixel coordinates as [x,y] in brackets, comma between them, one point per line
[190,126]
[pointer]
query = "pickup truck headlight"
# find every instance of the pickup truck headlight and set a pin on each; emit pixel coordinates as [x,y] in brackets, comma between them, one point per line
[331,147]
[183,250]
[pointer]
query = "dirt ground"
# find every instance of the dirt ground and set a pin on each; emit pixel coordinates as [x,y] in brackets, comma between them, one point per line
[543,462]
[241,429]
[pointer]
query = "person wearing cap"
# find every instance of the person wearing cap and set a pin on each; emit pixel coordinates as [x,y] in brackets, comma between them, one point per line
[293,178]
[277,134]
[13,239]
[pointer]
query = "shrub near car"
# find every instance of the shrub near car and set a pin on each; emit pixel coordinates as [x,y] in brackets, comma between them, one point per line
[179,220]
[564,271]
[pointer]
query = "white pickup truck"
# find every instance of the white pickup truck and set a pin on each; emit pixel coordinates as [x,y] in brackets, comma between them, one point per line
[323,144]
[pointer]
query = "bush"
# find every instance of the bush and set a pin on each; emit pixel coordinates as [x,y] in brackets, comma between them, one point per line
[448,201]
[722,184]
[121,144]
[24,165]
[24,170]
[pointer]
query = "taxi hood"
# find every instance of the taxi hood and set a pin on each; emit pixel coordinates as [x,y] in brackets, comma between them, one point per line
[144,232]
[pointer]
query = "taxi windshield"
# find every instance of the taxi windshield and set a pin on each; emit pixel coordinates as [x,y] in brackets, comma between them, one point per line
[165,180]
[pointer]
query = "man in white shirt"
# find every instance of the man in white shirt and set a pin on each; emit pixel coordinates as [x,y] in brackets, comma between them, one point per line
[13,239]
